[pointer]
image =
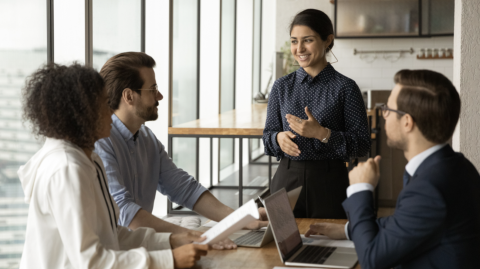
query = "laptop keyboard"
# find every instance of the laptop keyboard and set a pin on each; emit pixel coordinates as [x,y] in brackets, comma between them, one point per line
[250,239]
[314,254]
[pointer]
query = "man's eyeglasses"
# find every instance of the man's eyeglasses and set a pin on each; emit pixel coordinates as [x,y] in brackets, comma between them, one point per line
[386,110]
[153,90]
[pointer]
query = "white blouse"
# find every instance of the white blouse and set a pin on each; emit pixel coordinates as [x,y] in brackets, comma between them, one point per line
[72,219]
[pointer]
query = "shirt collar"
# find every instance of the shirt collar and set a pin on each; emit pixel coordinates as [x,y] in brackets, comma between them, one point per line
[416,161]
[323,76]
[126,134]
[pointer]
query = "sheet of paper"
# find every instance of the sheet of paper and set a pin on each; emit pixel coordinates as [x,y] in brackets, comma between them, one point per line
[279,267]
[210,224]
[322,240]
[232,223]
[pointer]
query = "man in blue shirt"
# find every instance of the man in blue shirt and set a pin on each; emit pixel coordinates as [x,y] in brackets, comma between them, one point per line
[436,223]
[136,162]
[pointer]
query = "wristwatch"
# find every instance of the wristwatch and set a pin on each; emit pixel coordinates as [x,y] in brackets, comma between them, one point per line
[325,140]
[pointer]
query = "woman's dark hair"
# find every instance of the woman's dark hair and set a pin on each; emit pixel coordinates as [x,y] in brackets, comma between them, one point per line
[432,101]
[121,72]
[62,102]
[317,20]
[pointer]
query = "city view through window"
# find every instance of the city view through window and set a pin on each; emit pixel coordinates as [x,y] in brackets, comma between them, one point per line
[23,49]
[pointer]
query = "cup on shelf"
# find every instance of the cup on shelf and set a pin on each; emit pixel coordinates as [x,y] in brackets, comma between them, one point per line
[422,53]
[429,53]
[448,53]
[435,53]
[442,53]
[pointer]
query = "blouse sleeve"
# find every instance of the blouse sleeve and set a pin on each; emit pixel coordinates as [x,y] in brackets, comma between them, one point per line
[273,125]
[71,198]
[355,140]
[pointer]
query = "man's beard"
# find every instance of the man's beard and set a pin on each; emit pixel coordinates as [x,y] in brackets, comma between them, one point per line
[147,113]
[400,144]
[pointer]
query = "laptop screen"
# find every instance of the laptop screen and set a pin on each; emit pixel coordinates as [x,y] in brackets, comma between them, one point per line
[283,223]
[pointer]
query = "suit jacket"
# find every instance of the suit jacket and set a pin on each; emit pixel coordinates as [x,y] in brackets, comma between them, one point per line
[436,223]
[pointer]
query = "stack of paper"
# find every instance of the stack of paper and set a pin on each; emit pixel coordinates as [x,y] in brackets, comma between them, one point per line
[232,223]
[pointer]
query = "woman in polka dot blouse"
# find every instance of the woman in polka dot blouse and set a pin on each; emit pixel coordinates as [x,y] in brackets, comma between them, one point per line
[316,121]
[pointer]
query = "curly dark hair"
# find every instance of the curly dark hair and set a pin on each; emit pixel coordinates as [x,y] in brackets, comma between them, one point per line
[62,102]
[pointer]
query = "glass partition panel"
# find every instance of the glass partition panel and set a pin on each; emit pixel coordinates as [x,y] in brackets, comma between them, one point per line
[227,75]
[23,49]
[116,29]
[365,18]
[185,61]
[69,31]
[185,80]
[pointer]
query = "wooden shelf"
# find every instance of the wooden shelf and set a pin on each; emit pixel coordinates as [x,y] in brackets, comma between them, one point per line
[434,58]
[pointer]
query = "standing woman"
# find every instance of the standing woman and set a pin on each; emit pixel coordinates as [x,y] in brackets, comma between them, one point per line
[316,121]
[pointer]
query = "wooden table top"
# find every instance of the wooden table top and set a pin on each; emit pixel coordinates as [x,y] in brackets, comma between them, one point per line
[246,121]
[266,257]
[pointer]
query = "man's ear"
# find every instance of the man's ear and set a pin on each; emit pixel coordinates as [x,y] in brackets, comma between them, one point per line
[127,96]
[408,123]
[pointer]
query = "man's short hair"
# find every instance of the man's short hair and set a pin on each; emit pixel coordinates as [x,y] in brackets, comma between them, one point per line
[62,102]
[121,72]
[432,101]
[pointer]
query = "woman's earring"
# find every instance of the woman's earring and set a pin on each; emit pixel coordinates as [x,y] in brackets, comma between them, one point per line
[336,60]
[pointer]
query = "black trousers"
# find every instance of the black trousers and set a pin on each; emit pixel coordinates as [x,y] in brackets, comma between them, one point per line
[324,184]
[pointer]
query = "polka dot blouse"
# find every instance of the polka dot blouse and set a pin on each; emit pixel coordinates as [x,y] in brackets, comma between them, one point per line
[336,103]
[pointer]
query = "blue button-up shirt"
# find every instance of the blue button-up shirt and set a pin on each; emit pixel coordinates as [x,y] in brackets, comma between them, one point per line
[136,168]
[336,103]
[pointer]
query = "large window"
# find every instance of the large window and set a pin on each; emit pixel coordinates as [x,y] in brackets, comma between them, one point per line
[116,28]
[69,31]
[227,80]
[185,80]
[23,49]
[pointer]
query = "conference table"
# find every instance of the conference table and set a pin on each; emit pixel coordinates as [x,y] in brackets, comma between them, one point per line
[266,257]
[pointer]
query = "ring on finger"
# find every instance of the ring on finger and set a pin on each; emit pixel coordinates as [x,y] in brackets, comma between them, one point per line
[299,120]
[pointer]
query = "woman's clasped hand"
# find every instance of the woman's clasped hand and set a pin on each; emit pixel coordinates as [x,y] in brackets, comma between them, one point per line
[309,128]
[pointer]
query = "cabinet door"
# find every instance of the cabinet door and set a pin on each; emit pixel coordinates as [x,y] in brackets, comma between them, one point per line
[441,17]
[368,18]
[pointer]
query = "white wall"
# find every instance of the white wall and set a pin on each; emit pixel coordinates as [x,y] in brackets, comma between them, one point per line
[467,78]
[377,74]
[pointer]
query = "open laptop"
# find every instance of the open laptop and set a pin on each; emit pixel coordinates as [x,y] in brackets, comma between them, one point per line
[290,245]
[259,238]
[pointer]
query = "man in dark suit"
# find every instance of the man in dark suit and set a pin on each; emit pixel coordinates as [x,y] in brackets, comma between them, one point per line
[436,223]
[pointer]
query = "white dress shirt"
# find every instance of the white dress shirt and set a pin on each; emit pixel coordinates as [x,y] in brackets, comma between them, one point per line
[411,168]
